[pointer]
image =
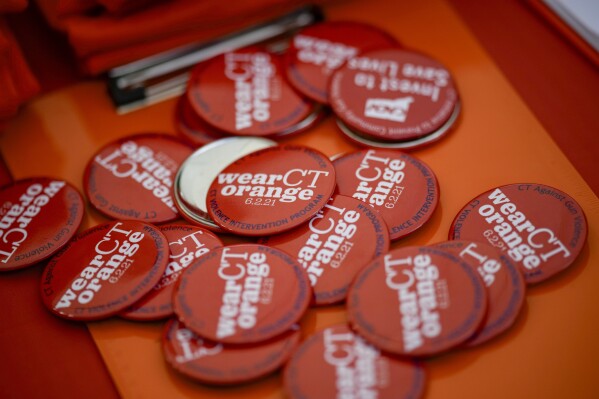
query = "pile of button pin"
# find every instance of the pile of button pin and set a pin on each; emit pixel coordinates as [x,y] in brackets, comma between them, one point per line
[324,227]
[358,71]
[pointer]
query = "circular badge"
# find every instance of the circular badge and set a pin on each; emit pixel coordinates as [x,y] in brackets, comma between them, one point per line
[399,186]
[186,244]
[190,126]
[417,301]
[38,216]
[132,178]
[104,270]
[214,363]
[506,289]
[393,94]
[413,144]
[244,93]
[541,228]
[336,363]
[334,245]
[242,293]
[271,190]
[201,168]
[318,50]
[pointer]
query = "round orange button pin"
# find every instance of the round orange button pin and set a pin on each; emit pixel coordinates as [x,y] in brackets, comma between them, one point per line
[417,301]
[242,294]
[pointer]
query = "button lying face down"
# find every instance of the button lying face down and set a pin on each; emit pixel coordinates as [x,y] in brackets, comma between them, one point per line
[318,50]
[186,244]
[334,245]
[417,301]
[504,283]
[399,186]
[244,93]
[38,217]
[132,178]
[199,170]
[336,363]
[104,270]
[539,227]
[243,293]
[223,364]
[271,190]
[393,95]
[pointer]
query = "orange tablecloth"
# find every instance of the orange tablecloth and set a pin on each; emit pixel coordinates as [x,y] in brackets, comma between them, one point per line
[551,351]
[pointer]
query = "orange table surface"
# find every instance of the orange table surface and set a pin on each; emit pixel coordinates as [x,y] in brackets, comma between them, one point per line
[551,352]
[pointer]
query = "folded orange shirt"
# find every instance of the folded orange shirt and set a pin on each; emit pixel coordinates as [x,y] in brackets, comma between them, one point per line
[107,40]
[99,62]
[17,82]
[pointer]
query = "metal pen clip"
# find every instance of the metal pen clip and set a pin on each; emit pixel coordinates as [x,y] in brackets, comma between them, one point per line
[162,76]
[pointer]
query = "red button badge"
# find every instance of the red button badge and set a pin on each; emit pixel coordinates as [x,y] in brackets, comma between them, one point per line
[334,245]
[38,216]
[104,270]
[417,301]
[243,293]
[271,190]
[132,178]
[393,95]
[399,186]
[186,244]
[201,168]
[244,93]
[539,227]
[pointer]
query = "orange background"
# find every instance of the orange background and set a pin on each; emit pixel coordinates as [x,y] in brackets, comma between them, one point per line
[551,352]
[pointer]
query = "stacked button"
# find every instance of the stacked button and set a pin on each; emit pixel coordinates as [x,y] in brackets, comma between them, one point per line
[417,301]
[237,310]
[202,167]
[271,190]
[186,244]
[104,270]
[394,98]
[243,93]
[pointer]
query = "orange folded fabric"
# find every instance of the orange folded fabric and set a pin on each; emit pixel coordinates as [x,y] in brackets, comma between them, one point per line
[99,62]
[89,35]
[17,82]
[67,7]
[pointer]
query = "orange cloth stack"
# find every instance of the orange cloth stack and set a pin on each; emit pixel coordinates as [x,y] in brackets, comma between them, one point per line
[108,33]
[17,83]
